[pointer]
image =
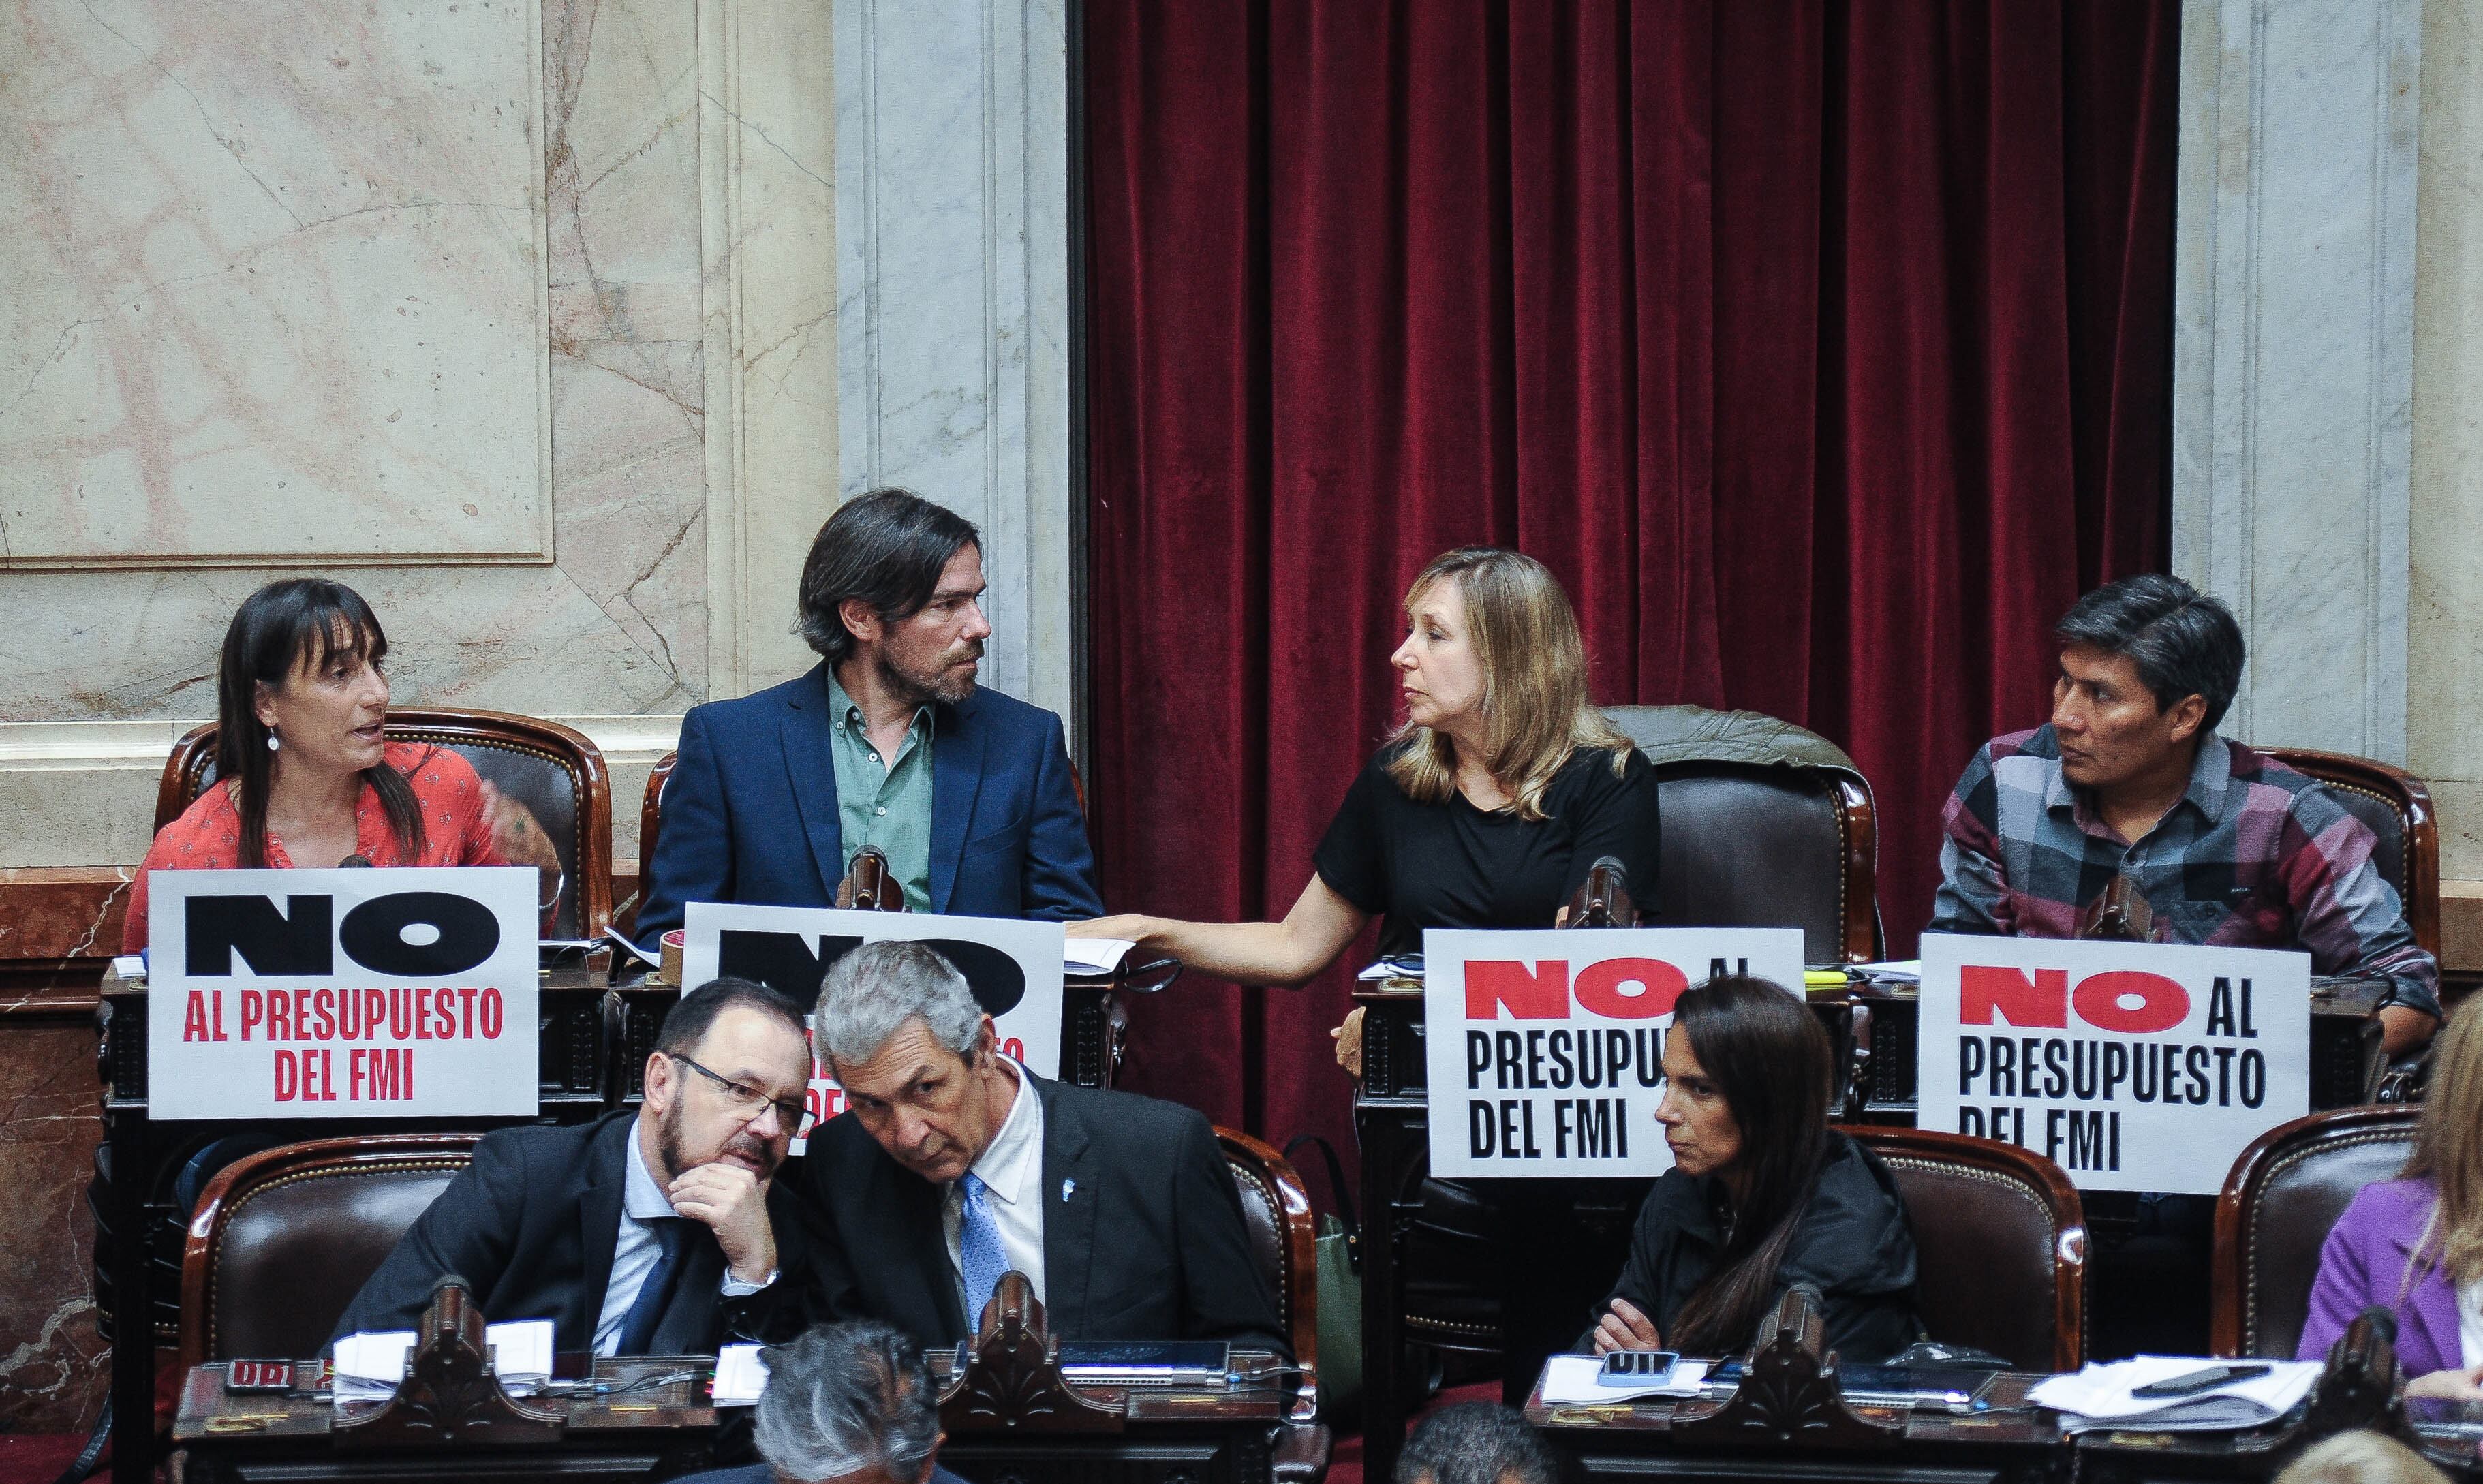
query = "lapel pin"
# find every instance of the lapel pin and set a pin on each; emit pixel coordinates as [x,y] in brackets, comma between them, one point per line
[1068,1189]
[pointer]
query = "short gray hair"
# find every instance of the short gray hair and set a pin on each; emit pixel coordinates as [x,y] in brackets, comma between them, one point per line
[1477,1442]
[846,1397]
[873,990]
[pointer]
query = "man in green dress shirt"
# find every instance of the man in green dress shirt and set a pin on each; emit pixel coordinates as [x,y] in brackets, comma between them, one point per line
[887,742]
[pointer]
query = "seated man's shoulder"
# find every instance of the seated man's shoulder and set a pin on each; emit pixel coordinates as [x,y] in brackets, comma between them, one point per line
[1116,1117]
[1005,713]
[540,1149]
[759,708]
[2299,791]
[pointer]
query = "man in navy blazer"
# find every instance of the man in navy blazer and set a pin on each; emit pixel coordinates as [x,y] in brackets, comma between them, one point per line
[888,742]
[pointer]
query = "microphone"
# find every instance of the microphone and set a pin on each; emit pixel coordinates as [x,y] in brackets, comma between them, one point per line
[2382,1320]
[355,860]
[1603,898]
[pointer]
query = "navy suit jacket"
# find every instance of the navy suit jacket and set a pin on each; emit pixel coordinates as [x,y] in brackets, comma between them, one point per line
[750,810]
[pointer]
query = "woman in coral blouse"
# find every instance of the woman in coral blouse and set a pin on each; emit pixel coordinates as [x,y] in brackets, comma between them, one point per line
[305,775]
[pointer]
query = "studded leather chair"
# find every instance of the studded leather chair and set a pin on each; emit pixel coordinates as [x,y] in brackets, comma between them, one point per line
[2397,807]
[544,765]
[283,1239]
[2000,1239]
[1765,825]
[1283,1234]
[2284,1193]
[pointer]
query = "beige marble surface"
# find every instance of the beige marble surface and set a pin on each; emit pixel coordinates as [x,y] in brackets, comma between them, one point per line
[2444,640]
[430,102]
[274,282]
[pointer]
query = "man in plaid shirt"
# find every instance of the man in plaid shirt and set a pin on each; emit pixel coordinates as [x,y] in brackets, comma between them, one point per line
[2130,778]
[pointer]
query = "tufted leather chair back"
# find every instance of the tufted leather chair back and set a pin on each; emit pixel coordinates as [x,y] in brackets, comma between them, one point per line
[548,767]
[283,1239]
[1283,1234]
[2000,1243]
[2283,1194]
[2397,807]
[1751,843]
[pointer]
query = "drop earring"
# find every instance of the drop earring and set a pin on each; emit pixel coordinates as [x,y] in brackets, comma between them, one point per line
[271,741]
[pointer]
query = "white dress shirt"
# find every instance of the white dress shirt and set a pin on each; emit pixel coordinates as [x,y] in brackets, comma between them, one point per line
[634,1256]
[1011,1169]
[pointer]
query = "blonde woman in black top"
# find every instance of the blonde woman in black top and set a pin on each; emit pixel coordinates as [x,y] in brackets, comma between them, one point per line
[1485,809]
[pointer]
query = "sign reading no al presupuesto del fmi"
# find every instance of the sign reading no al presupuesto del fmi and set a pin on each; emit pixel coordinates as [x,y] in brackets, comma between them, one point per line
[407,993]
[1545,1050]
[2133,1066]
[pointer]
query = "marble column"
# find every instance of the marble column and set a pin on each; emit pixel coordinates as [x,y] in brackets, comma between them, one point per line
[953,273]
[2293,347]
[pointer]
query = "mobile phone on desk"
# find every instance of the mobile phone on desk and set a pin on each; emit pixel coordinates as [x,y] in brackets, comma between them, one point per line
[2197,1381]
[1636,1367]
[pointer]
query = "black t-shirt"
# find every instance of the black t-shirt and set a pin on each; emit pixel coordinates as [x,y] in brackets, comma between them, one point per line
[1452,865]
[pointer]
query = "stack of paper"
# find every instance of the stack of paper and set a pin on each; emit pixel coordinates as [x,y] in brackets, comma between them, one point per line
[2098,1396]
[1569,1381]
[370,1367]
[740,1375]
[1089,957]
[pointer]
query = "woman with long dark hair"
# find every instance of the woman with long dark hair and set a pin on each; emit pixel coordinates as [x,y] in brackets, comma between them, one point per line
[1762,1195]
[304,772]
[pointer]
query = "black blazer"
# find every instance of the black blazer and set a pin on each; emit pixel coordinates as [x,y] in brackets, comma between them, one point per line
[1149,1244]
[531,1226]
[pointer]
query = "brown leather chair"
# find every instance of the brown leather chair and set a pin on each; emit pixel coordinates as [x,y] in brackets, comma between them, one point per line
[1284,1237]
[1770,833]
[2000,1237]
[2284,1193]
[2397,807]
[544,765]
[283,1239]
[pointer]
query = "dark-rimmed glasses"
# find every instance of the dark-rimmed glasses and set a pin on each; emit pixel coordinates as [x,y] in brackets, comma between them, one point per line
[794,1115]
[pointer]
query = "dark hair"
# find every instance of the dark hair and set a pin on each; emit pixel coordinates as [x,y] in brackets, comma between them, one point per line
[1768,1056]
[843,1398]
[888,548]
[2184,643]
[299,622]
[1477,1442]
[687,1023]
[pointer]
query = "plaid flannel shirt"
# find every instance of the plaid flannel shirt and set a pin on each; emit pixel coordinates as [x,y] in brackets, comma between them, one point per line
[2254,856]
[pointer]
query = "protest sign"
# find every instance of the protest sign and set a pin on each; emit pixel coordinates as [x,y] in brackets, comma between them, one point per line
[1013,966]
[2132,1066]
[407,993]
[1545,1049]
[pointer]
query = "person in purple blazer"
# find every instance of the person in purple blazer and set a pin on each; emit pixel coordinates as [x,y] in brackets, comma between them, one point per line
[2414,1244]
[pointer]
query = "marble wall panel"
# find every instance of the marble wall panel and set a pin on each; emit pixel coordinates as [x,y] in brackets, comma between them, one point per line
[52,1363]
[952,256]
[2444,641]
[618,623]
[2293,353]
[274,282]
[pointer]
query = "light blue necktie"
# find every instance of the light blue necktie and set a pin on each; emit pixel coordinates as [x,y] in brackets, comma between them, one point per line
[978,1249]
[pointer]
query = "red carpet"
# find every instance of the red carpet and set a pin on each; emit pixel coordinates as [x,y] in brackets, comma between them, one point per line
[1346,1463]
[37,1458]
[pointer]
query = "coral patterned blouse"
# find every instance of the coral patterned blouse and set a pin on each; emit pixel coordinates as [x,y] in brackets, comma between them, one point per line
[208,836]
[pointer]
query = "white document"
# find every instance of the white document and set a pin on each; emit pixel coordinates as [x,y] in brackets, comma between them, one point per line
[1545,1048]
[371,1366]
[406,993]
[1569,1380]
[2098,1396]
[2132,1066]
[1093,955]
[740,1375]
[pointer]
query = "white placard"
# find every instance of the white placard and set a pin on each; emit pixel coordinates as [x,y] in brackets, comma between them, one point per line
[2132,1066]
[1544,1048]
[404,993]
[1014,967]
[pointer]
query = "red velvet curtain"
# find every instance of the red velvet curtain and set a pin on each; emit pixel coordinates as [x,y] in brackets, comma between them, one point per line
[1822,350]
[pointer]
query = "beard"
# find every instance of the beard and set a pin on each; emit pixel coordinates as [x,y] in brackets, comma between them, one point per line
[945,679]
[668,1147]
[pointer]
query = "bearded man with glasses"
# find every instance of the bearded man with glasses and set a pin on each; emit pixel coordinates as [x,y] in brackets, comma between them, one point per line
[650,1233]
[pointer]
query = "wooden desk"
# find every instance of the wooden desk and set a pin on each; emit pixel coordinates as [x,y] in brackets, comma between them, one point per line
[1153,1435]
[223,1439]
